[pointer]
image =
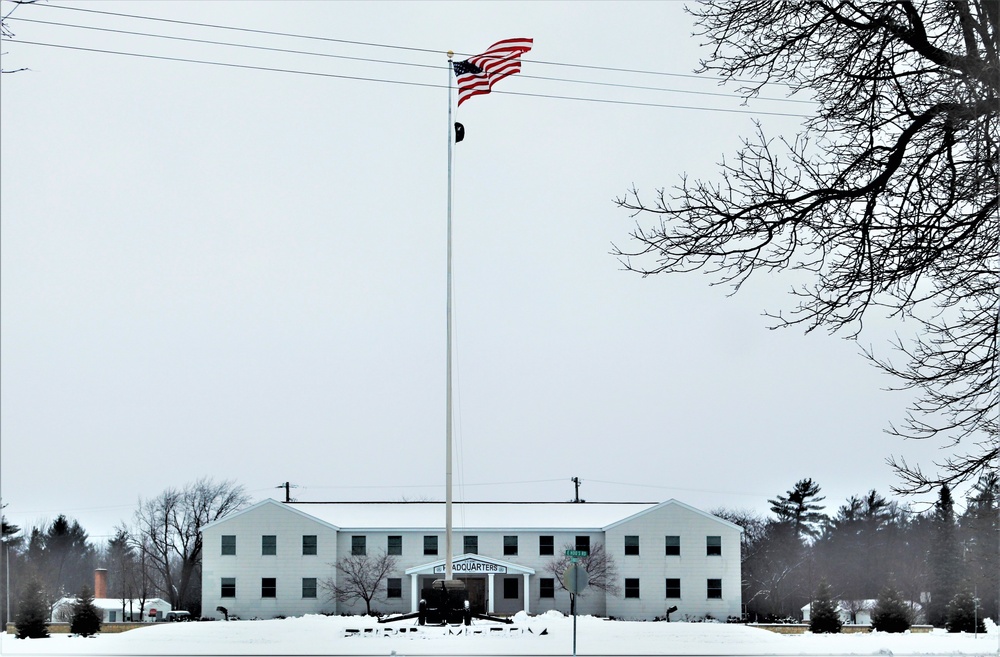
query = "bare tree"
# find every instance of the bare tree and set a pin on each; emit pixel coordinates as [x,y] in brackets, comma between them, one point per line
[600,567]
[887,201]
[169,531]
[360,577]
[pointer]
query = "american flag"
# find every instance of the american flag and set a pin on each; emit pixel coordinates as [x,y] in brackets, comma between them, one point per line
[478,74]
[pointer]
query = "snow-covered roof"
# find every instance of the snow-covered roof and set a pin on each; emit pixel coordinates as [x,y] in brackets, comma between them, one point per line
[116,603]
[524,516]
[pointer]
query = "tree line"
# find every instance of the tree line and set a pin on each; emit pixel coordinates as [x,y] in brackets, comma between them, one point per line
[868,545]
[157,554]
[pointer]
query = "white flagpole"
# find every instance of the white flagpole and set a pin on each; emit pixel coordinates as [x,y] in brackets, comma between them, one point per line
[448,411]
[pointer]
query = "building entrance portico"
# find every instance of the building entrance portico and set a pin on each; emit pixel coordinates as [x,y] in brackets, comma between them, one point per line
[482,576]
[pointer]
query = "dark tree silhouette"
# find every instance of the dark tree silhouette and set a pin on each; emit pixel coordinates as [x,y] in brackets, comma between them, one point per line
[32,617]
[824,617]
[361,577]
[886,201]
[86,619]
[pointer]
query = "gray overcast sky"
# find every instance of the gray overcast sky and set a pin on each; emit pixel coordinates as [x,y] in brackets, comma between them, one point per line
[236,273]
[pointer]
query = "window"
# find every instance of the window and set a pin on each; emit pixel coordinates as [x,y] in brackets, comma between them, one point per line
[268,587]
[631,587]
[713,546]
[358,546]
[583,543]
[308,587]
[471,544]
[673,588]
[673,545]
[631,546]
[430,545]
[715,589]
[546,587]
[510,545]
[510,589]
[394,587]
[546,545]
[309,544]
[112,617]
[395,546]
[228,544]
[269,545]
[228,587]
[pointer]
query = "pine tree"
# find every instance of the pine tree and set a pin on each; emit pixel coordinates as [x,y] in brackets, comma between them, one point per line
[891,614]
[945,559]
[86,619]
[824,617]
[963,616]
[32,621]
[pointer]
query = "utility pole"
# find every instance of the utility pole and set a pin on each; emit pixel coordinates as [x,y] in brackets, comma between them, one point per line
[576,483]
[287,486]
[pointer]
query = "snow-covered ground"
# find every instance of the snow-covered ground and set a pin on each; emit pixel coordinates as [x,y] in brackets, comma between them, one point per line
[321,635]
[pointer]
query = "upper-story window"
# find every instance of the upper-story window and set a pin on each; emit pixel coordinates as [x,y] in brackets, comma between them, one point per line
[510,545]
[309,544]
[673,545]
[583,543]
[430,545]
[394,545]
[269,545]
[359,546]
[471,544]
[632,546]
[713,545]
[546,545]
[228,544]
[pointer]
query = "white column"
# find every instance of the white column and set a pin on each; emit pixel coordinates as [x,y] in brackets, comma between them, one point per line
[527,593]
[414,592]
[489,594]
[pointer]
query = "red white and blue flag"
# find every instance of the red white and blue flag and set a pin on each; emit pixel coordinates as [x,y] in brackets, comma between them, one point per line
[478,74]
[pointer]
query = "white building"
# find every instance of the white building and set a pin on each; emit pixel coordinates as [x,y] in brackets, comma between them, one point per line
[115,610]
[272,558]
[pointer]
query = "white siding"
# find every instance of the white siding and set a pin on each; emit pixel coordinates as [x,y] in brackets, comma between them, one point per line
[249,566]
[651,566]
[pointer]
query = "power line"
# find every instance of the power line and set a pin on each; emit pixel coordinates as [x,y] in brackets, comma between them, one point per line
[401,82]
[370,44]
[619,85]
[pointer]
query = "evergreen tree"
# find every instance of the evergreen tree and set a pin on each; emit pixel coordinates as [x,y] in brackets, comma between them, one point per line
[32,615]
[891,613]
[945,558]
[980,529]
[824,616]
[801,508]
[962,614]
[86,619]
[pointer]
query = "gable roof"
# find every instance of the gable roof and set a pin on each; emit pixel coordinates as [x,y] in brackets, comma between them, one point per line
[673,502]
[270,502]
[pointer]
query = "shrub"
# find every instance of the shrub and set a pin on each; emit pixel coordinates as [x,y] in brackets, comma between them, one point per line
[824,617]
[86,619]
[961,615]
[31,621]
[891,613]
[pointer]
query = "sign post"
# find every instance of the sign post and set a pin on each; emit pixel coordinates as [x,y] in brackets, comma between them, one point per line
[575,578]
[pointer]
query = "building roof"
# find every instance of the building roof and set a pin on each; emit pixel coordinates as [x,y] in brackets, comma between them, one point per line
[524,516]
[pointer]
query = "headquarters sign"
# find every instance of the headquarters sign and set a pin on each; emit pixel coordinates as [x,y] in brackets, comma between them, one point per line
[474,567]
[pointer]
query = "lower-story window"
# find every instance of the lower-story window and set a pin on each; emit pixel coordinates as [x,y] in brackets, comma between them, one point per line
[546,587]
[268,587]
[673,587]
[308,587]
[394,587]
[715,589]
[631,587]
[228,587]
[510,588]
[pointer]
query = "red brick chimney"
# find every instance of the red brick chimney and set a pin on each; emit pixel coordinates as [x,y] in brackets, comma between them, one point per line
[101,583]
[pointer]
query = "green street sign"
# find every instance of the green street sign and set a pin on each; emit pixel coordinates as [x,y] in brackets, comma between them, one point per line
[576,553]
